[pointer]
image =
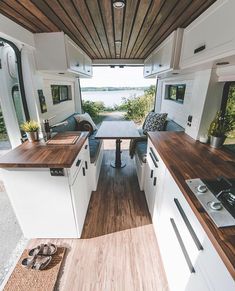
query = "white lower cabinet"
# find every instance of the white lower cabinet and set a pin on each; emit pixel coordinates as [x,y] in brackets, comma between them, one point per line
[81,197]
[154,174]
[190,260]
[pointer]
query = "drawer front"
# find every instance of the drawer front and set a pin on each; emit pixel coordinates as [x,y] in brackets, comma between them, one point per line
[200,249]
[78,161]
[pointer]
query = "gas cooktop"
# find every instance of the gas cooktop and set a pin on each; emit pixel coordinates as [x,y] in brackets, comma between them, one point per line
[217,196]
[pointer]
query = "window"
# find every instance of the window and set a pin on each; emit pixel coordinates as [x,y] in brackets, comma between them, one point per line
[60,93]
[228,107]
[175,92]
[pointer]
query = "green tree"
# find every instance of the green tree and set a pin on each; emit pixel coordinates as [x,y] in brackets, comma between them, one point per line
[138,107]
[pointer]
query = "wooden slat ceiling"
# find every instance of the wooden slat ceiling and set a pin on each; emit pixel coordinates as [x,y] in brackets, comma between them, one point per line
[103,31]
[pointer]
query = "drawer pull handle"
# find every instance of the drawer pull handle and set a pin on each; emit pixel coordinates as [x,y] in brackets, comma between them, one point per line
[86,146]
[155,181]
[182,246]
[199,49]
[86,165]
[154,155]
[78,163]
[83,171]
[154,162]
[188,225]
[151,174]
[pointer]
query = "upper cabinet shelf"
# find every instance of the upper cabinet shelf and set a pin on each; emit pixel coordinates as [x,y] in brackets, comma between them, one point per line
[57,53]
[166,57]
[210,37]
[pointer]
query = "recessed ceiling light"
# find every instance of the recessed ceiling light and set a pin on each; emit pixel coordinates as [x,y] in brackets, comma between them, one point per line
[119,4]
[118,42]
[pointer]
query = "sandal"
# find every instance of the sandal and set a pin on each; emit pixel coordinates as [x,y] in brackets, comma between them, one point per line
[44,250]
[36,262]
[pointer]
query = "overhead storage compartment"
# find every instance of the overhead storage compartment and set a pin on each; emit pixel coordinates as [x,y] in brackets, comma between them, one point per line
[210,37]
[166,57]
[57,53]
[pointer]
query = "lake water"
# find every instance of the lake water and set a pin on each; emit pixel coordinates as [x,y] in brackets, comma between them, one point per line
[110,98]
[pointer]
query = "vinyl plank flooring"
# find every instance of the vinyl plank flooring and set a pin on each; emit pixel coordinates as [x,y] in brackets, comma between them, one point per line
[118,249]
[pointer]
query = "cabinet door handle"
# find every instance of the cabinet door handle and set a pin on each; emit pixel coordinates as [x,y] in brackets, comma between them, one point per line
[154,162]
[188,225]
[83,171]
[151,174]
[78,163]
[86,165]
[155,181]
[199,49]
[182,246]
[154,155]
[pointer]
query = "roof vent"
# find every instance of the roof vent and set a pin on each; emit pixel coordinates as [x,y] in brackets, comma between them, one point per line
[119,4]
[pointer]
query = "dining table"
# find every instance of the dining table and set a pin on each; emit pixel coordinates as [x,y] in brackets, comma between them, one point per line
[117,130]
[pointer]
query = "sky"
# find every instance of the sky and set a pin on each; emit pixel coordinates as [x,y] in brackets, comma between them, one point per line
[117,77]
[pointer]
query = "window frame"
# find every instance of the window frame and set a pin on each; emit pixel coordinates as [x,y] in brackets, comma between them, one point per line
[168,90]
[60,87]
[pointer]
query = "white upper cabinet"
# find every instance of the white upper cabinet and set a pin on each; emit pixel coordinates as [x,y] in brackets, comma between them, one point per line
[211,36]
[57,53]
[166,57]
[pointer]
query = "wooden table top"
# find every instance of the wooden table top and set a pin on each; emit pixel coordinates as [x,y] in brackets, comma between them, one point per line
[117,130]
[42,155]
[186,158]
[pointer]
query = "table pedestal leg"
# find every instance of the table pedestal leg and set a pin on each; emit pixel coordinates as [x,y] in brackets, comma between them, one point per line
[118,163]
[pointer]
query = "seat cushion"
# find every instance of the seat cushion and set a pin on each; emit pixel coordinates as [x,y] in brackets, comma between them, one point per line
[94,145]
[141,150]
[173,126]
[154,122]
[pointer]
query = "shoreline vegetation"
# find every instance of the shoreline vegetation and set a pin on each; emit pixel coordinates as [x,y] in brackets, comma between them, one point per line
[135,108]
[105,89]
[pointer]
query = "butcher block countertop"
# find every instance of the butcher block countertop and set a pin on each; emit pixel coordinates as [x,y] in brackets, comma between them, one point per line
[42,155]
[186,158]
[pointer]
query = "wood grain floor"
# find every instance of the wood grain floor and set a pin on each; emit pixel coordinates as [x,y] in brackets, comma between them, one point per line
[118,250]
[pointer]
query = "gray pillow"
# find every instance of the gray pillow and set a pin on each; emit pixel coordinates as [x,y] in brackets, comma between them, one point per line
[154,122]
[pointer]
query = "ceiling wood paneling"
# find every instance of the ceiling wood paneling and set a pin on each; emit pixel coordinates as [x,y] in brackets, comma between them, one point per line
[97,27]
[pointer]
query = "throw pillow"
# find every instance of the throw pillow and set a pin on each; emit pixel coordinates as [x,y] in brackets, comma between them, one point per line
[85,117]
[154,122]
[85,126]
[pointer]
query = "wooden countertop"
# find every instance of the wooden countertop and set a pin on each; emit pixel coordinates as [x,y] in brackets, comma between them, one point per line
[42,155]
[186,158]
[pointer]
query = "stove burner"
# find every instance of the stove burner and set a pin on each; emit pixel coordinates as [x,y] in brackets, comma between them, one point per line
[202,188]
[217,196]
[215,205]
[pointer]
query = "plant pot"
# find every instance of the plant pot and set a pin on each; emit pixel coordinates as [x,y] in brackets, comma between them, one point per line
[217,141]
[32,136]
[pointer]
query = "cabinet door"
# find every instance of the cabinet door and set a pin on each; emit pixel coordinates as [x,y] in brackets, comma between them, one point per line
[150,187]
[80,198]
[87,66]
[148,66]
[211,36]
[75,57]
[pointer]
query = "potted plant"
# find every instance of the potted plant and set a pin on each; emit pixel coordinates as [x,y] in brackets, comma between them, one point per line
[219,128]
[31,128]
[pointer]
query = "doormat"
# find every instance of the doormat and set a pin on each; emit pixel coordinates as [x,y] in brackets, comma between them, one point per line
[32,280]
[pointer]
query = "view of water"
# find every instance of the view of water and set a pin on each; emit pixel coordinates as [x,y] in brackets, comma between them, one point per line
[110,98]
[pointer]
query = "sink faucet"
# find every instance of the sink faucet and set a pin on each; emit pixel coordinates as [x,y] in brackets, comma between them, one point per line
[47,126]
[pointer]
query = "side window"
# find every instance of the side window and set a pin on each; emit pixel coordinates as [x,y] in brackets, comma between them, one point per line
[17,100]
[61,93]
[228,107]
